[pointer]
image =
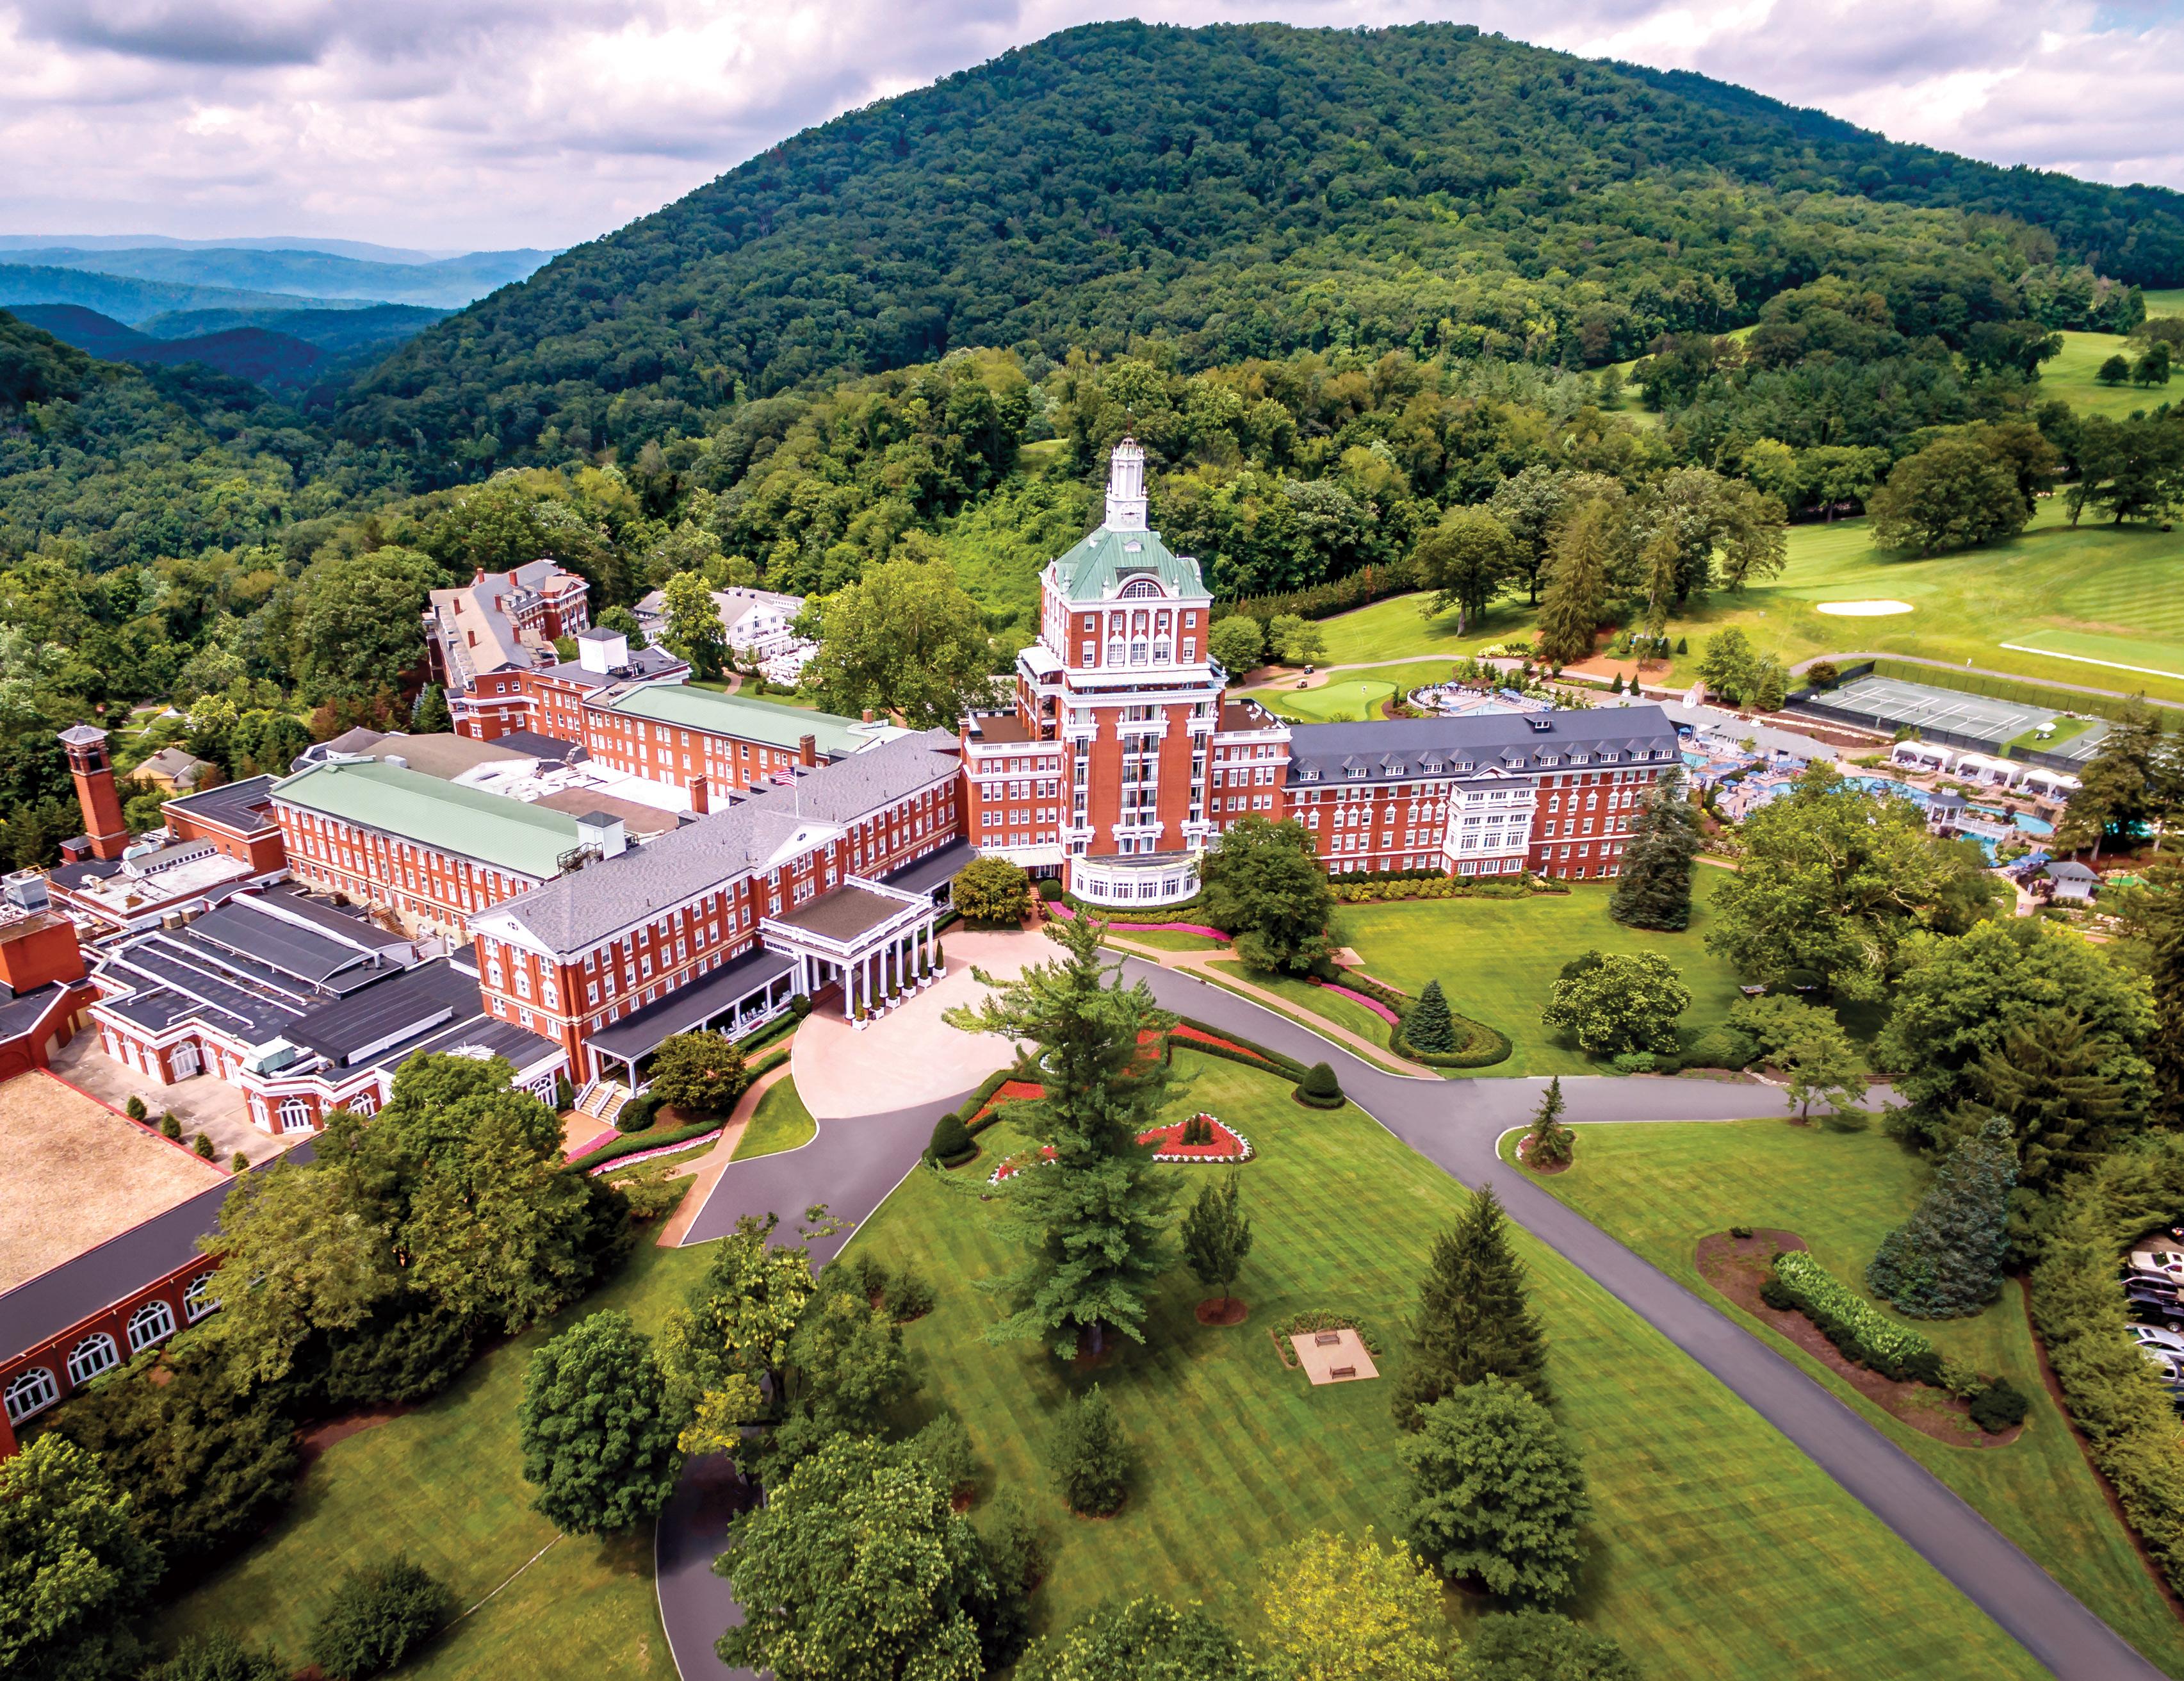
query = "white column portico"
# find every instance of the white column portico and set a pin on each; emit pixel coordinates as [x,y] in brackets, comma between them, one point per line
[876,940]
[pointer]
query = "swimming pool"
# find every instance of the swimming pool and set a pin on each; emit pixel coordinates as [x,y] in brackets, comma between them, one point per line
[2025,822]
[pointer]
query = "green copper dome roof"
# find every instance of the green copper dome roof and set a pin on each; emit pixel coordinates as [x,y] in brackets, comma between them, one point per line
[1107,560]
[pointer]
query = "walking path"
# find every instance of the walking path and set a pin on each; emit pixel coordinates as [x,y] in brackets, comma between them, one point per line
[852,1164]
[705,1171]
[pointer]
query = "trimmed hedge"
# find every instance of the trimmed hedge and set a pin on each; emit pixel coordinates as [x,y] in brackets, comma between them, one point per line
[1253,1054]
[1319,1089]
[630,1143]
[2078,1309]
[1852,1324]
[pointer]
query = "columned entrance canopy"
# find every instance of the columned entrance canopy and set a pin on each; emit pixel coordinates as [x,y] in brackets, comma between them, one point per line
[732,999]
[876,940]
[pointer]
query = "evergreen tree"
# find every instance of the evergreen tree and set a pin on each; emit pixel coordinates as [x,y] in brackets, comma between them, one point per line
[1653,889]
[431,717]
[1217,1234]
[1550,1143]
[1496,1492]
[1946,1258]
[1578,582]
[1093,1221]
[1090,1456]
[2119,788]
[1429,1026]
[1474,1317]
[2048,1079]
[2164,1047]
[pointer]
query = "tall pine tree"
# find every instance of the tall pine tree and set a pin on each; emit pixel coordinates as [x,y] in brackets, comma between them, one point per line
[1585,550]
[1946,1258]
[1093,1221]
[1429,1026]
[2048,1079]
[1654,888]
[2165,1049]
[1474,1315]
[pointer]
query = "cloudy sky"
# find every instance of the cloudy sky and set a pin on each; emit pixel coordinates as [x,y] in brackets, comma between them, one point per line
[470,124]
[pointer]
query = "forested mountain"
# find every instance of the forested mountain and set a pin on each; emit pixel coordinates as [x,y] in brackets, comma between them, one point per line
[127,298]
[1239,192]
[441,282]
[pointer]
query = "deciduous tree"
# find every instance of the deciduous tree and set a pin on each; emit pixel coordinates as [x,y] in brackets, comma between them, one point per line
[1217,1234]
[1342,1608]
[74,1570]
[704,1072]
[1615,1001]
[695,631]
[855,1567]
[1465,560]
[992,889]
[1142,1639]
[596,1427]
[1262,882]
[904,638]
[1237,642]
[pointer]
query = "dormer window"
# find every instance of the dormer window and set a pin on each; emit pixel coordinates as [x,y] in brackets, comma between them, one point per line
[1581,758]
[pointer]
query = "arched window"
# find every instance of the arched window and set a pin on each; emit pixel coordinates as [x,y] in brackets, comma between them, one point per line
[31,1390]
[149,1324]
[1139,588]
[197,1300]
[295,1115]
[94,1355]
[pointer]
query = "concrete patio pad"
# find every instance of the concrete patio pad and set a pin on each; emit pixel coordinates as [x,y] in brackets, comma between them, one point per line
[1333,1356]
[911,1056]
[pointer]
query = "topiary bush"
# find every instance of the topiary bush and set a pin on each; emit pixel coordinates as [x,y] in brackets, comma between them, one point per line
[135,1110]
[171,1124]
[951,1145]
[238,1162]
[203,1145]
[1050,888]
[378,1617]
[1319,1089]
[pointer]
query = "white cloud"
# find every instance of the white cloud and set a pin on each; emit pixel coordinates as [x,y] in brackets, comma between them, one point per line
[471,123]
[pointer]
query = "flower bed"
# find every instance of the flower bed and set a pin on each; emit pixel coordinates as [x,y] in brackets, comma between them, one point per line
[1225,1145]
[1852,1323]
[1068,914]
[1011,1165]
[675,1147]
[1371,1004]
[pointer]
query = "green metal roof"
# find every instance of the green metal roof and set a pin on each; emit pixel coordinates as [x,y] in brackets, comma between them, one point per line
[736,715]
[1106,560]
[490,828]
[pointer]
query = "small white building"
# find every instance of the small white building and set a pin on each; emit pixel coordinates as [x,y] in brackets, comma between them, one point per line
[756,622]
[2072,881]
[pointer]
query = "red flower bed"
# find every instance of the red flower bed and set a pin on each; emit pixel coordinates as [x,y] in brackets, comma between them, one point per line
[1224,1146]
[1191,1035]
[1009,1168]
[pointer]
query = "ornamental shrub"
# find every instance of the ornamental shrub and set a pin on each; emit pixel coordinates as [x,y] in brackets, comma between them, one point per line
[171,1124]
[1859,1329]
[135,1110]
[1720,1047]
[907,1295]
[1999,1405]
[951,1145]
[1090,1457]
[1319,1088]
[238,1162]
[637,1114]
[203,1145]
[1050,888]
[378,1616]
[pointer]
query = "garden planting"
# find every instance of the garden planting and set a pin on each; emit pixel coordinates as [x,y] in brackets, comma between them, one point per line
[1202,1138]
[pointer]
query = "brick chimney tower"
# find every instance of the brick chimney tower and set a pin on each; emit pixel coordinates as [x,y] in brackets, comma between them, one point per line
[93,772]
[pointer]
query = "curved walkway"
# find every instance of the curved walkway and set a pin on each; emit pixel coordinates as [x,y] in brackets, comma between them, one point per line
[1456,1124]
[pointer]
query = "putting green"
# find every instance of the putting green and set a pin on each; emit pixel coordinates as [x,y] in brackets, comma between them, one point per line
[2116,653]
[1352,699]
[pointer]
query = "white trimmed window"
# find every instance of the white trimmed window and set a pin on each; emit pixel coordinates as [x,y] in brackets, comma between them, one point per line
[94,1355]
[197,1300]
[295,1115]
[152,1322]
[31,1390]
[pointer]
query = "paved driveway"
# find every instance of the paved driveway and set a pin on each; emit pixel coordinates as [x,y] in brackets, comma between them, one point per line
[1456,1124]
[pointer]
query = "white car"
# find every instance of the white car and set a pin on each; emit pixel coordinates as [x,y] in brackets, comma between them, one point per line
[2169,1364]
[2159,1263]
[2169,1342]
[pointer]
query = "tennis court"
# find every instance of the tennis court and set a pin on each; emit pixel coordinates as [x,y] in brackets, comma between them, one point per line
[1891,704]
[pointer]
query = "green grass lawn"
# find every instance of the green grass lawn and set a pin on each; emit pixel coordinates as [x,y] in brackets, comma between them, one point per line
[1498,959]
[1660,1188]
[1718,1550]
[1316,1000]
[444,1484]
[1350,696]
[2069,375]
[2100,581]
[780,1122]
[1171,939]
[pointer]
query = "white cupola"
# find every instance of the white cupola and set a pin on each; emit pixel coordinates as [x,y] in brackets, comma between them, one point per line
[1126,487]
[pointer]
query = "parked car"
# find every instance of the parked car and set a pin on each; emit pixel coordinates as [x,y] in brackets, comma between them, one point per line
[2148,1304]
[2155,1337]
[2158,1263]
[2170,1371]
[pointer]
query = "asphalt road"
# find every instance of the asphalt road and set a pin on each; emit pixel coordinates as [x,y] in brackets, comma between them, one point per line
[1456,1124]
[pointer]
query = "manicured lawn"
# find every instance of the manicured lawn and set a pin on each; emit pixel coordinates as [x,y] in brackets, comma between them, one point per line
[1719,1551]
[1170,939]
[2101,581]
[1398,629]
[1498,959]
[780,1122]
[445,1485]
[1318,1000]
[2070,376]
[1349,696]
[1660,1188]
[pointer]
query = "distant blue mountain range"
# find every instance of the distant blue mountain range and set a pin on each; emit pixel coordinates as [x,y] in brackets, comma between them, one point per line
[285,273]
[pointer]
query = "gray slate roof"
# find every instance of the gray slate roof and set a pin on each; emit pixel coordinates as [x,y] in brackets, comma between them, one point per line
[576,912]
[1405,749]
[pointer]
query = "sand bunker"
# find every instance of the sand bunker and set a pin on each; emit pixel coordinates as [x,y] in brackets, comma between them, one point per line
[1861,609]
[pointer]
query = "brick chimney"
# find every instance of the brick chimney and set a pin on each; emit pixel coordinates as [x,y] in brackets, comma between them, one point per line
[807,749]
[701,795]
[93,774]
[868,714]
